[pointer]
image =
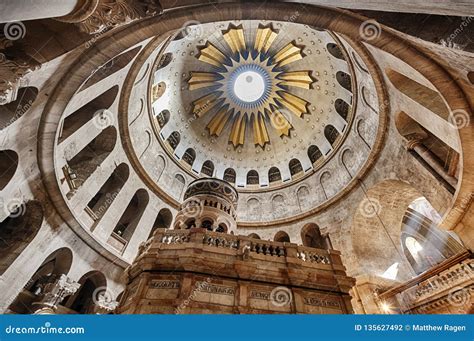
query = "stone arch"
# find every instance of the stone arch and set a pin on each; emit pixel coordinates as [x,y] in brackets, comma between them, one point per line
[363,132]
[189,156]
[274,175]
[128,222]
[342,108]
[348,160]
[72,122]
[344,80]
[174,139]
[254,207]
[112,66]
[324,181]
[254,236]
[93,285]
[229,175]
[12,111]
[179,184]
[335,51]
[159,166]
[157,91]
[278,204]
[8,166]
[105,196]
[377,227]
[253,177]
[208,168]
[311,236]
[430,99]
[163,118]
[331,134]
[303,196]
[164,61]
[53,266]
[86,161]
[282,237]
[18,230]
[163,221]
[295,167]
[314,154]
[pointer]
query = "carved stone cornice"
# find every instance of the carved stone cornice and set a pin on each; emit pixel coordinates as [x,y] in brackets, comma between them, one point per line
[96,16]
[12,71]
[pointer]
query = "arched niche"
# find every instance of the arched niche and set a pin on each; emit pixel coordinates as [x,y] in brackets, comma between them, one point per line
[18,230]
[377,227]
[252,177]
[295,167]
[278,204]
[335,51]
[189,156]
[163,118]
[112,66]
[163,221]
[331,134]
[344,80]
[105,196]
[53,266]
[86,299]
[86,161]
[8,166]
[129,220]
[207,168]
[303,196]
[72,122]
[274,175]
[282,237]
[12,111]
[173,140]
[314,154]
[164,61]
[178,185]
[311,237]
[342,108]
[254,236]
[430,99]
[254,207]
[229,175]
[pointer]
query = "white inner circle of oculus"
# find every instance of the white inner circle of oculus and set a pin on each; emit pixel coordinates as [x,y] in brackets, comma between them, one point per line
[249,86]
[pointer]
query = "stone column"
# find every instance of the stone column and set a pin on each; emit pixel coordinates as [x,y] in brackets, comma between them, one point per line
[53,293]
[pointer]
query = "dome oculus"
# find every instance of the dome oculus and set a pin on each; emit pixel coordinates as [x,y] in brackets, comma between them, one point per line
[250,86]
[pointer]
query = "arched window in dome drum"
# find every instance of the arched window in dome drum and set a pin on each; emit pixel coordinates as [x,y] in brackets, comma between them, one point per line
[83,301]
[344,80]
[252,178]
[221,228]
[162,221]
[12,111]
[229,175]
[8,166]
[189,156]
[164,61]
[331,134]
[208,168]
[274,175]
[295,167]
[163,118]
[129,220]
[314,153]
[174,139]
[342,108]
[335,51]
[207,224]
[311,237]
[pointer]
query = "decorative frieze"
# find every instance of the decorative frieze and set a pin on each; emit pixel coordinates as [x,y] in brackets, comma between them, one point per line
[322,302]
[164,284]
[215,289]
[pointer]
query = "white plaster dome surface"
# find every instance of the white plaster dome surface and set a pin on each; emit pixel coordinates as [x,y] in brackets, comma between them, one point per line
[249,86]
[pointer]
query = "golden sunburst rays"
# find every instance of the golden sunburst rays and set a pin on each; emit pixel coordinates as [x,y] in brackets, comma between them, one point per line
[269,103]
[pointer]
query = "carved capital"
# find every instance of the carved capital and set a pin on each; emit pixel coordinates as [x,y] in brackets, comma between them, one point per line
[97,16]
[12,72]
[55,290]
